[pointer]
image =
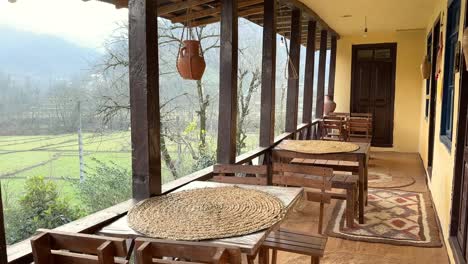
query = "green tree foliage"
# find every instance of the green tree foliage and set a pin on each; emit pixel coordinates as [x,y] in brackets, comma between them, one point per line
[39,207]
[106,185]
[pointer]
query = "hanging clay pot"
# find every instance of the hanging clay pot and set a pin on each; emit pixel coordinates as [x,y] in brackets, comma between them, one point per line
[465,46]
[426,68]
[191,64]
[329,105]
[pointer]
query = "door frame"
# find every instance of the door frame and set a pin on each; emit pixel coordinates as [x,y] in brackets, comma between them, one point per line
[433,97]
[393,47]
[459,158]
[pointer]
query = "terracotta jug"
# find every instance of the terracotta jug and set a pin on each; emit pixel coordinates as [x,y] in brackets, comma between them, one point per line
[329,105]
[465,46]
[425,68]
[190,64]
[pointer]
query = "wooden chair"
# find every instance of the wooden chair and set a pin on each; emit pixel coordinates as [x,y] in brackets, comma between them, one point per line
[360,129]
[240,174]
[62,247]
[149,251]
[312,245]
[345,177]
[333,128]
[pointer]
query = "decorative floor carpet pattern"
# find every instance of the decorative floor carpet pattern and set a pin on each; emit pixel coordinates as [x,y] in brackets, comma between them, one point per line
[392,217]
[387,180]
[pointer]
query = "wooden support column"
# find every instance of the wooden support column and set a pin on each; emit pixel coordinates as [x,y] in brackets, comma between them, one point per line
[331,80]
[293,71]
[321,74]
[309,73]
[3,246]
[227,121]
[144,98]
[267,111]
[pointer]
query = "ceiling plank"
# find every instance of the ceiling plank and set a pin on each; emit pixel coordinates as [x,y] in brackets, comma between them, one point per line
[311,14]
[211,11]
[166,9]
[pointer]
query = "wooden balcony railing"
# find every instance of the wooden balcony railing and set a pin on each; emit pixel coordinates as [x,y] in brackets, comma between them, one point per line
[21,252]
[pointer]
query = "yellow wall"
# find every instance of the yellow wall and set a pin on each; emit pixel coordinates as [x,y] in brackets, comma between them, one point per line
[408,93]
[410,124]
[444,159]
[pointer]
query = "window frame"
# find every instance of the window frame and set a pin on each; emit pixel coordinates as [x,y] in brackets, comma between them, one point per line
[447,109]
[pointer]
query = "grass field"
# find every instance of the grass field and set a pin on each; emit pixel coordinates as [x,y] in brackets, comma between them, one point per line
[56,158]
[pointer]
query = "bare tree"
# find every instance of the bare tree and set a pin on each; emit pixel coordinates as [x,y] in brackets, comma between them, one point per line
[244,93]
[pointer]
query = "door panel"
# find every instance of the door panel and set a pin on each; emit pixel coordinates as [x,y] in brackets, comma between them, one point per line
[373,86]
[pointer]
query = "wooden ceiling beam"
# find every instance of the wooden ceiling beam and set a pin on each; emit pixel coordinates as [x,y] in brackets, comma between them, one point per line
[169,8]
[311,14]
[206,21]
[211,12]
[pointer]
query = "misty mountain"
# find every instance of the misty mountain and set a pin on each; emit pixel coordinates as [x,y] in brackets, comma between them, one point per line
[42,56]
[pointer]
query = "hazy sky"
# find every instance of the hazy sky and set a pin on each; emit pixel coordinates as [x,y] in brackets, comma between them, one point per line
[84,23]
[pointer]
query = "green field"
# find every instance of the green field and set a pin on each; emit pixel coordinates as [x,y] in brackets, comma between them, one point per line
[56,158]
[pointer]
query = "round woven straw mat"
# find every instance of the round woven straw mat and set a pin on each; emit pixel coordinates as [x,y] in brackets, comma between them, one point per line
[206,213]
[318,146]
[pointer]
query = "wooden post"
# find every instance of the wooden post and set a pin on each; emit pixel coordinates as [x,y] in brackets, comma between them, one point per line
[321,74]
[267,111]
[3,246]
[293,71]
[309,73]
[227,121]
[144,98]
[331,80]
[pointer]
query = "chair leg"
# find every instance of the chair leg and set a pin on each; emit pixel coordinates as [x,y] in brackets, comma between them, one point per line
[350,203]
[314,260]
[320,219]
[274,255]
[250,259]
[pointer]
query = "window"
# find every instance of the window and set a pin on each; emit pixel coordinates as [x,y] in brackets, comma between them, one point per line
[453,19]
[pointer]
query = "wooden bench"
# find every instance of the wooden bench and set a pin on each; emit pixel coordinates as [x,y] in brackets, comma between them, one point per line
[347,182]
[296,242]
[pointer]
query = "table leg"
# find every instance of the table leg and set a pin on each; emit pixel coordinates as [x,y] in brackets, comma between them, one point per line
[263,256]
[362,187]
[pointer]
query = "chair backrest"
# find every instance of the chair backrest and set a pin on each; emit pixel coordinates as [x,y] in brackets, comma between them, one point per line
[62,247]
[149,251]
[333,127]
[240,174]
[308,177]
[340,114]
[360,127]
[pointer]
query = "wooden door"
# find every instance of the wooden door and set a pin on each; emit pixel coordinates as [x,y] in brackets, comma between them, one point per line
[433,95]
[373,88]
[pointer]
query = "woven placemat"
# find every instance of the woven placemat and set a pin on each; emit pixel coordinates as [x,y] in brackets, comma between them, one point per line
[206,213]
[317,146]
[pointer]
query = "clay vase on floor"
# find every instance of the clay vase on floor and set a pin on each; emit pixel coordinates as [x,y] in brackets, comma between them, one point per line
[329,105]
[191,64]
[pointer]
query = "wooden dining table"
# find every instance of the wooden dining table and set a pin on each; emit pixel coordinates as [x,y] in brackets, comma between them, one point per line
[249,244]
[360,155]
